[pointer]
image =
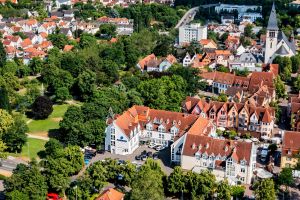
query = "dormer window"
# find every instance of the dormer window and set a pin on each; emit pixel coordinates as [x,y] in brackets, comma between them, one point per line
[289,152]
[198,156]
[161,129]
[173,130]
[149,127]
[243,162]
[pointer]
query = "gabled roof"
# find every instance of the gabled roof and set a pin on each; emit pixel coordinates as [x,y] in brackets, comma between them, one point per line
[291,143]
[111,194]
[272,23]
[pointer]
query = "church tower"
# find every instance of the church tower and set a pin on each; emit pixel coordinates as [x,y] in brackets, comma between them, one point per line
[272,36]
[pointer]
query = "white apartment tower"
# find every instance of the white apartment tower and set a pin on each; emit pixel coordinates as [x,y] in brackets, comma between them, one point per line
[192,32]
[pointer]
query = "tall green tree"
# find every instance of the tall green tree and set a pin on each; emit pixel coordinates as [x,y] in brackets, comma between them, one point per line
[15,137]
[279,87]
[286,177]
[28,181]
[148,184]
[176,181]
[264,190]
[223,190]
[2,55]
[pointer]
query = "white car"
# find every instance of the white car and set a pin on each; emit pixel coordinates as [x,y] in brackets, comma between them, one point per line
[159,147]
[152,145]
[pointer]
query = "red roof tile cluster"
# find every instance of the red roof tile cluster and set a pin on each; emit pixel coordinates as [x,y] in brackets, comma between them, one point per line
[222,148]
[196,106]
[111,194]
[142,115]
[290,143]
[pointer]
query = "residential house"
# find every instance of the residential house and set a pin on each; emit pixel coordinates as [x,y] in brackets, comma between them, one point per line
[223,57]
[232,43]
[233,160]
[247,61]
[227,19]
[295,4]
[241,116]
[220,81]
[125,131]
[47,27]
[249,16]
[290,149]
[152,63]
[124,25]
[294,112]
[67,32]
[198,61]
[238,8]
[240,50]
[208,44]
[111,194]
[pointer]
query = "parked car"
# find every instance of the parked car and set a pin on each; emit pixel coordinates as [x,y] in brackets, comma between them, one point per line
[121,162]
[144,152]
[144,157]
[151,145]
[149,154]
[155,156]
[100,151]
[87,161]
[158,148]
[139,157]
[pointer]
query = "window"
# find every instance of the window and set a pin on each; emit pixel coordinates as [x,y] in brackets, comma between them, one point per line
[113,143]
[243,170]
[204,164]
[149,134]
[272,34]
[112,137]
[197,157]
[112,131]
[288,159]
[242,179]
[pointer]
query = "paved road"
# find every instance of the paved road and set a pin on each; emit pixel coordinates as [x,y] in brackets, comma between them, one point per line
[9,164]
[37,137]
[190,14]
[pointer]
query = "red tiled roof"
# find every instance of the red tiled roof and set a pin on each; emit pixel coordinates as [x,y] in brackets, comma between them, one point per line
[290,143]
[68,48]
[111,194]
[238,150]
[142,115]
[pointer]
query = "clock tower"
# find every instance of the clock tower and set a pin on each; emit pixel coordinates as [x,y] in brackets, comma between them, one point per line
[272,36]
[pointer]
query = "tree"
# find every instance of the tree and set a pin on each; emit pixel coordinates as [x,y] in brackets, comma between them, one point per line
[6,122]
[86,83]
[42,107]
[176,181]
[272,148]
[98,174]
[237,191]
[87,40]
[295,63]
[58,40]
[107,31]
[296,83]
[36,65]
[54,149]
[28,181]
[264,190]
[148,184]
[222,97]
[223,69]
[2,55]
[223,190]
[15,137]
[286,177]
[285,67]
[4,99]
[3,147]
[248,30]
[279,87]
[62,94]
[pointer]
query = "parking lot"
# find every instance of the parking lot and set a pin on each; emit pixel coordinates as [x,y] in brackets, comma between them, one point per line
[164,157]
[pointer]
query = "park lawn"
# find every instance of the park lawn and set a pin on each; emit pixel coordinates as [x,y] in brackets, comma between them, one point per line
[35,146]
[52,122]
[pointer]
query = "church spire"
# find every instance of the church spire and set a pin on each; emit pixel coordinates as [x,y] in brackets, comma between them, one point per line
[272,24]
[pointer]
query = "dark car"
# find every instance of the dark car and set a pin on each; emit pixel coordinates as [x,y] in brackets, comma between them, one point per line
[90,153]
[149,154]
[100,151]
[144,157]
[138,157]
[121,162]
[144,152]
[155,156]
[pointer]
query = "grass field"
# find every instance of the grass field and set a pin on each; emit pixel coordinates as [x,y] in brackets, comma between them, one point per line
[38,126]
[35,146]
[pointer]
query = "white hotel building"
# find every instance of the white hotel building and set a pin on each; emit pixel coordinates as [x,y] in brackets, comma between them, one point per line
[192,32]
[192,139]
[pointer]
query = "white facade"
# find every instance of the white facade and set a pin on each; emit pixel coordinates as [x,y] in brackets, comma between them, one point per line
[117,142]
[239,8]
[249,16]
[193,32]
